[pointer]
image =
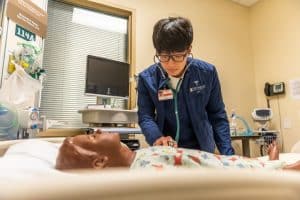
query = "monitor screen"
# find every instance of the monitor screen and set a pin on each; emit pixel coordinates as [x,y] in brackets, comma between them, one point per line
[263,112]
[107,77]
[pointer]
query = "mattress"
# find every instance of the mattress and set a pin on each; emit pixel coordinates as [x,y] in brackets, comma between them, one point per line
[26,172]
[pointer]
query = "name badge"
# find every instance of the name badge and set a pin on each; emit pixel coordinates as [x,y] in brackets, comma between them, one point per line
[166,94]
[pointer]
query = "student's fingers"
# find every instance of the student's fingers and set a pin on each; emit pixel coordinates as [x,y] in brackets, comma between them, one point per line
[165,142]
[162,141]
[172,143]
[158,142]
[169,138]
[169,141]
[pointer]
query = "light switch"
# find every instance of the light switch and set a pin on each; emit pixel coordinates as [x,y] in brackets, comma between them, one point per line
[287,123]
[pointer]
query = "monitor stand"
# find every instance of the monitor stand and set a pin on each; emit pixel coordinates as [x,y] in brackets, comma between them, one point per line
[105,101]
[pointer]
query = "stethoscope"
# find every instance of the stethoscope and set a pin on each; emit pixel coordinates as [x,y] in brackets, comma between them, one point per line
[175,92]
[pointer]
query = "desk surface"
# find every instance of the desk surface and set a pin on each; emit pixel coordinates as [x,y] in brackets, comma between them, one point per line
[69,132]
[120,130]
[95,109]
[268,131]
[240,137]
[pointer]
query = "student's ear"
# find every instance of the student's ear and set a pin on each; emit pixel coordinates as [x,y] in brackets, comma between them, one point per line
[100,162]
[190,49]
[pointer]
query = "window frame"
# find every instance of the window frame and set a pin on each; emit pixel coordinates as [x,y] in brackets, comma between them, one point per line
[122,12]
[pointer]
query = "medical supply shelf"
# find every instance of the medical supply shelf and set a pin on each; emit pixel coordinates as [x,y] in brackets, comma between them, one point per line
[246,139]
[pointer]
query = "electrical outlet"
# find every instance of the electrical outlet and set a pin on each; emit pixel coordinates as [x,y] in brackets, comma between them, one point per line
[287,123]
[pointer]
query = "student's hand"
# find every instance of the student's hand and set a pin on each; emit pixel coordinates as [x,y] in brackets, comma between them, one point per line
[165,141]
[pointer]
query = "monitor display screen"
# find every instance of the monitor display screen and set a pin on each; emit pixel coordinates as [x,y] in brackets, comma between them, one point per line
[105,77]
[263,112]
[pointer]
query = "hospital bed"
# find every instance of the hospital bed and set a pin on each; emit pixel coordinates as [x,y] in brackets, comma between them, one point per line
[26,172]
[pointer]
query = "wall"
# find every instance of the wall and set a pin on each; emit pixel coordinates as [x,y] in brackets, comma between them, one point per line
[221,37]
[275,33]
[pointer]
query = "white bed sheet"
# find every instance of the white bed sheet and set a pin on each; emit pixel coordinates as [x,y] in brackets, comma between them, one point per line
[40,154]
[289,158]
[26,172]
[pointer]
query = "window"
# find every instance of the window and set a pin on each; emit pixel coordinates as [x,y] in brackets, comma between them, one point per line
[71,36]
[99,20]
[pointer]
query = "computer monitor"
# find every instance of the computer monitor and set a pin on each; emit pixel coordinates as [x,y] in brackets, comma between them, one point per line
[106,77]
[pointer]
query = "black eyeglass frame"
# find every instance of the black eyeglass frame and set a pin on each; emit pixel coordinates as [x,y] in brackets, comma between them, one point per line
[180,57]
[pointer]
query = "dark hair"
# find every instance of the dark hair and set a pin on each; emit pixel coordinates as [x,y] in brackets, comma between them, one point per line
[172,34]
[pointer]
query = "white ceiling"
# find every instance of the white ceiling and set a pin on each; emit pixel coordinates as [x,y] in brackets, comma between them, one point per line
[247,3]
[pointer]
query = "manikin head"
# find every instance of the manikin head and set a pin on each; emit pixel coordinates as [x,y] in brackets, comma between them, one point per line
[98,151]
[172,38]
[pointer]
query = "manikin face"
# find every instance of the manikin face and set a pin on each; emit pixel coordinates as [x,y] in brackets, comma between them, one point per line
[106,148]
[98,142]
[174,62]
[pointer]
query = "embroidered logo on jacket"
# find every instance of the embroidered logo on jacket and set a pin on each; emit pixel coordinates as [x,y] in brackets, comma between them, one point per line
[197,88]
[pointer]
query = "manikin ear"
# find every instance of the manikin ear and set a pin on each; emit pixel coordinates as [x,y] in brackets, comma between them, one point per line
[100,162]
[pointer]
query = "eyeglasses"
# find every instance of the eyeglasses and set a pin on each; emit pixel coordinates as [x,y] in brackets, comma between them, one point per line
[174,57]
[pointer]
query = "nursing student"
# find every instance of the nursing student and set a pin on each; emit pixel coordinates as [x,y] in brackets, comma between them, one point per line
[179,97]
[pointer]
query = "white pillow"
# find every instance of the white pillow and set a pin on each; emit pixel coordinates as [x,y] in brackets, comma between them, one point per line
[31,154]
[29,159]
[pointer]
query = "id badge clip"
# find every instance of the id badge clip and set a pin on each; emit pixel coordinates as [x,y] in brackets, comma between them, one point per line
[165,94]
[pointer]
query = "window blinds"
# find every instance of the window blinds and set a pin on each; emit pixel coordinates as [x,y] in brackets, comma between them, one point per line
[65,54]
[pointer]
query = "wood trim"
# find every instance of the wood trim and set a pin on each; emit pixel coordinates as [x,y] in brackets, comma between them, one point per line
[102,6]
[131,58]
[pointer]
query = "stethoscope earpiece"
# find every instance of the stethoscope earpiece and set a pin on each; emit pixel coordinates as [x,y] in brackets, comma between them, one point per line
[155,59]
